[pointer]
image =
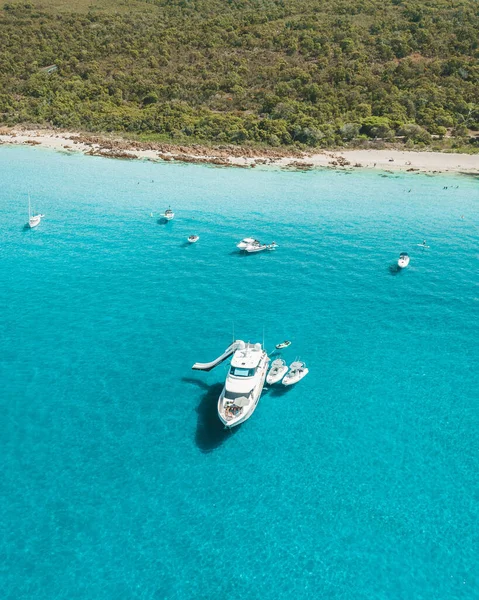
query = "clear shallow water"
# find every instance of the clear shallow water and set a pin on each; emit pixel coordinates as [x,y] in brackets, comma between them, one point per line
[118,481]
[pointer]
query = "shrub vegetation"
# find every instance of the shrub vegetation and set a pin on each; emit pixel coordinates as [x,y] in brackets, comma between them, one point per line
[277,72]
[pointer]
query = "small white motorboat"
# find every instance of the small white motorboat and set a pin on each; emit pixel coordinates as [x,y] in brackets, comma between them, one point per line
[33,220]
[168,214]
[403,260]
[247,242]
[193,239]
[284,344]
[297,371]
[278,370]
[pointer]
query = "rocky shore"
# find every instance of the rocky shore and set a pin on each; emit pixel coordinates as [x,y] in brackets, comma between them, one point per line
[246,157]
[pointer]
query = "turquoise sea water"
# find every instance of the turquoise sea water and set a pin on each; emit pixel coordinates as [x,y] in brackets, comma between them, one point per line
[118,482]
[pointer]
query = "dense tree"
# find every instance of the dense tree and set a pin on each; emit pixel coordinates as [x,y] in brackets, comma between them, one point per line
[305,72]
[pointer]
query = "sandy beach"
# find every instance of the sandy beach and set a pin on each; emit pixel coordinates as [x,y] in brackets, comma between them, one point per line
[385,160]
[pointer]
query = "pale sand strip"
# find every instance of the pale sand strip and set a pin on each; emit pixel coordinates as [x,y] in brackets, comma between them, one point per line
[386,160]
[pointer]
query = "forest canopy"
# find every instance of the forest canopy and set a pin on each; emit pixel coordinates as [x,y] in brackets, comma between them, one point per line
[276,72]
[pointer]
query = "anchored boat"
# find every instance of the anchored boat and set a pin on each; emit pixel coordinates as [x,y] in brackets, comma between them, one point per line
[244,382]
[168,214]
[297,371]
[33,220]
[278,370]
[403,260]
[193,239]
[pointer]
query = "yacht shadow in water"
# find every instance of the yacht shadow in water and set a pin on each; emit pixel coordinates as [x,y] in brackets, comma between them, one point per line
[278,389]
[242,253]
[210,431]
[162,221]
[394,269]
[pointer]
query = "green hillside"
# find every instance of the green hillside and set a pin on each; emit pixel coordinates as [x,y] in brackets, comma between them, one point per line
[277,72]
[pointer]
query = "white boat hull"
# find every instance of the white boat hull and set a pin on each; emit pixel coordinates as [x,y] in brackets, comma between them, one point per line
[251,249]
[260,247]
[402,263]
[295,377]
[34,221]
[277,376]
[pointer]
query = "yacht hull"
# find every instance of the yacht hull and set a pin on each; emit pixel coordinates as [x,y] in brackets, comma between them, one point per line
[251,249]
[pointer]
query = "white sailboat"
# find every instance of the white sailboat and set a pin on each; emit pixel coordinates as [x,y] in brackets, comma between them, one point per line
[168,214]
[33,220]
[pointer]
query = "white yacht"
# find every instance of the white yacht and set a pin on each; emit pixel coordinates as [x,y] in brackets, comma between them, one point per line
[247,242]
[297,371]
[403,260]
[243,385]
[244,382]
[168,214]
[33,220]
[277,372]
[193,239]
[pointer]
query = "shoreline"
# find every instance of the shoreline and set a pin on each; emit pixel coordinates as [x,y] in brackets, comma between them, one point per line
[381,160]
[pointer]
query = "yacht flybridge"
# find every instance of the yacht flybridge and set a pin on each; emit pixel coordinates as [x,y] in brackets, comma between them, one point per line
[244,382]
[247,242]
